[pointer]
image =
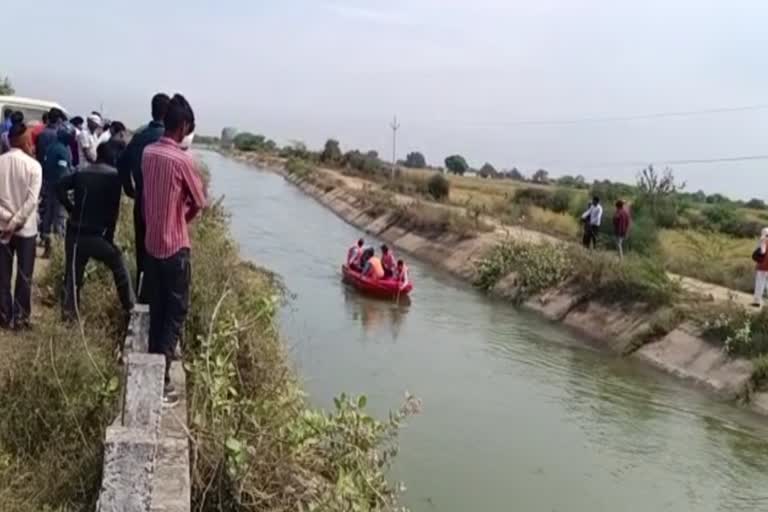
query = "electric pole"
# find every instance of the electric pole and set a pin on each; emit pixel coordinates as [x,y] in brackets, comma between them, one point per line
[395,126]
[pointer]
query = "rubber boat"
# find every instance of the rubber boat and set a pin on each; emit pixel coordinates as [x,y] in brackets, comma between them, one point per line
[383,288]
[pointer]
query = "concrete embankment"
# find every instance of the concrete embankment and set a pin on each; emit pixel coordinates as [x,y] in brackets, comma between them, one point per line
[681,351]
[146,449]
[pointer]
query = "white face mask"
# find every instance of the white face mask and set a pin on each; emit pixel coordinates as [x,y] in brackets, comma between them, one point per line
[186,142]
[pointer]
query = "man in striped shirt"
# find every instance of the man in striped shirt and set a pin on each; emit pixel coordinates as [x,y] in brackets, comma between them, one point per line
[173,196]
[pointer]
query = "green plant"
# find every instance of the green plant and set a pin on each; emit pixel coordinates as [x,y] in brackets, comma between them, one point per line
[760,370]
[536,266]
[740,333]
[438,187]
[636,280]
[537,196]
[561,200]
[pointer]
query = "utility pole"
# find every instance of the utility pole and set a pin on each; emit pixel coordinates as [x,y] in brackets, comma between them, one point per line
[395,126]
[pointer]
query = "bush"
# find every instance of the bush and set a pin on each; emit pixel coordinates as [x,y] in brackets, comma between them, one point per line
[636,280]
[540,197]
[561,200]
[740,333]
[438,187]
[536,266]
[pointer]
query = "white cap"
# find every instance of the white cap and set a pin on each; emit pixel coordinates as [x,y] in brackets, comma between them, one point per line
[95,119]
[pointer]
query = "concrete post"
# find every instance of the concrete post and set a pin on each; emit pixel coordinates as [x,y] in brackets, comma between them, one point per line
[126,484]
[137,339]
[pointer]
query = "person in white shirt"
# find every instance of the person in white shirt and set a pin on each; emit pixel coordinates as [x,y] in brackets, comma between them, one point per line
[21,177]
[592,219]
[89,139]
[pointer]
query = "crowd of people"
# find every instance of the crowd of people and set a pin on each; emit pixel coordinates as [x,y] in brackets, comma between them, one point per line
[387,267]
[66,177]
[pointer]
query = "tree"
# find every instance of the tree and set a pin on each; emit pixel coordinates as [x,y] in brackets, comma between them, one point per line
[756,204]
[699,196]
[488,171]
[653,184]
[6,88]
[515,174]
[249,142]
[540,176]
[415,160]
[657,195]
[456,165]
[331,153]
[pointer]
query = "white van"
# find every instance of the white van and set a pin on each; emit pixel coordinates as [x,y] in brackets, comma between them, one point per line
[32,109]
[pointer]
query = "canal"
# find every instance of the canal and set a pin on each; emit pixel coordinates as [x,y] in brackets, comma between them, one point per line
[519,414]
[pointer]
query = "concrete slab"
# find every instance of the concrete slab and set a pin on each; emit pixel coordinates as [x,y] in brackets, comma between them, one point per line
[126,485]
[688,356]
[143,404]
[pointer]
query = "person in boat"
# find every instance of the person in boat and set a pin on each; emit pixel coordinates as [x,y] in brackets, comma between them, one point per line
[401,273]
[355,254]
[373,267]
[367,253]
[388,262]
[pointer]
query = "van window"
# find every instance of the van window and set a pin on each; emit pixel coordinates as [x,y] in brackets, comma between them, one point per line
[31,114]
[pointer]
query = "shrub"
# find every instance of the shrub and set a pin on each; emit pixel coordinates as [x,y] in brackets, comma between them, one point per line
[740,333]
[560,201]
[636,280]
[536,266]
[438,187]
[540,197]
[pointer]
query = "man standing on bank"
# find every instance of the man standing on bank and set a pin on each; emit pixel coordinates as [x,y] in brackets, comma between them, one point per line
[129,167]
[173,196]
[91,227]
[21,177]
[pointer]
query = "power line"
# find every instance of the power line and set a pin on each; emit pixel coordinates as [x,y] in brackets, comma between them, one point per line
[607,119]
[641,163]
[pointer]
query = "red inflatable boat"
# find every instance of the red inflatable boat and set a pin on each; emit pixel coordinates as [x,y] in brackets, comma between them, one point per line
[384,288]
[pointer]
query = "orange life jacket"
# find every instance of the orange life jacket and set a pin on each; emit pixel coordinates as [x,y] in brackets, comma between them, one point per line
[376,269]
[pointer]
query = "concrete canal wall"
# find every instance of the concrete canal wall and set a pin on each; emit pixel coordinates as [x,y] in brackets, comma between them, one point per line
[682,352]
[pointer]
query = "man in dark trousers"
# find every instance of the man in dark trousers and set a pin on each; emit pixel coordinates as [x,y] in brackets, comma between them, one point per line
[173,196]
[129,167]
[91,228]
[20,180]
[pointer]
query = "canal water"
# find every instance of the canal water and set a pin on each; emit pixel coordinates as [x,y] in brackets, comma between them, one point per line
[519,414]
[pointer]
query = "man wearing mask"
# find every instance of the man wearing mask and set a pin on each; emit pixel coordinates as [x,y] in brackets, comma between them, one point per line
[20,182]
[173,195]
[129,167]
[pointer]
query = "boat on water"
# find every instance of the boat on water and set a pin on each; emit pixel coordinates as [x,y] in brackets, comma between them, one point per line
[382,288]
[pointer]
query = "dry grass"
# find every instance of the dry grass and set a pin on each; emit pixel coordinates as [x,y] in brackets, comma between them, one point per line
[710,257]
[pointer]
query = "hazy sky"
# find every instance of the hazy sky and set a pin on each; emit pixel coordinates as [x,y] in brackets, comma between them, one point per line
[460,75]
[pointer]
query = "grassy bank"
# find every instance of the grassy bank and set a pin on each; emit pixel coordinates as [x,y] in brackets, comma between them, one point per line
[256,442]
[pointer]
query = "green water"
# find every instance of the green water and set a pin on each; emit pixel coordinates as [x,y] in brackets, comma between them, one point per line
[519,414]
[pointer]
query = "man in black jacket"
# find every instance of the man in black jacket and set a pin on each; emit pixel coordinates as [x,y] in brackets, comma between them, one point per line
[129,167]
[91,227]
